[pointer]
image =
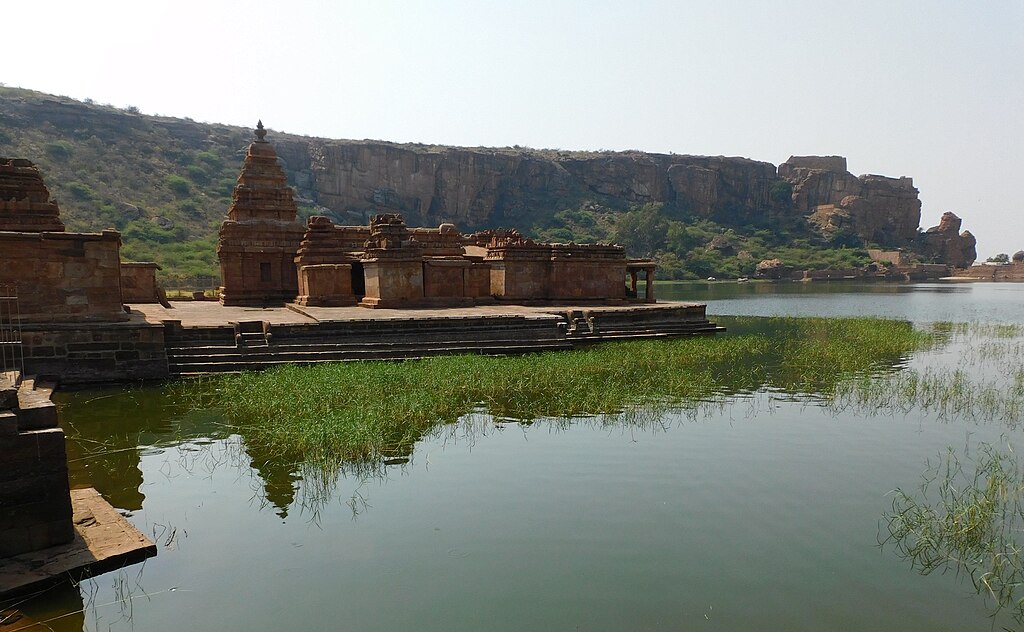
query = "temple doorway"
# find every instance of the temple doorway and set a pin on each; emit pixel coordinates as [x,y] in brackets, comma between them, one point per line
[358,280]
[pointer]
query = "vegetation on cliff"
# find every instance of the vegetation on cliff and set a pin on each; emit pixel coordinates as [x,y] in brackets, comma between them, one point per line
[687,247]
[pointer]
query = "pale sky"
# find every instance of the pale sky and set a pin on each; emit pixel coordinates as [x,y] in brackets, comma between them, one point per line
[929,89]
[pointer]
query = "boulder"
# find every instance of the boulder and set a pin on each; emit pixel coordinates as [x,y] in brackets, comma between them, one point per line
[771,269]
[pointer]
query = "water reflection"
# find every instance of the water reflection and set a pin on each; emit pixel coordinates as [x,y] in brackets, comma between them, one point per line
[59,607]
[108,430]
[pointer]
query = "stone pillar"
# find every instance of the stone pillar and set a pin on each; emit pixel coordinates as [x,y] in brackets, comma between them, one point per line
[649,289]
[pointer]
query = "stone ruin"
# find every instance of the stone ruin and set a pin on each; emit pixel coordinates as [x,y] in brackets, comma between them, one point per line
[60,276]
[267,258]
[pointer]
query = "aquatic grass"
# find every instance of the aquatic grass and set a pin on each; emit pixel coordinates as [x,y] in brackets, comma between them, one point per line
[971,521]
[976,329]
[945,392]
[363,412]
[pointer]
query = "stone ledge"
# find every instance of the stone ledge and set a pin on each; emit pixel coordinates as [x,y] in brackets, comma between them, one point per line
[104,541]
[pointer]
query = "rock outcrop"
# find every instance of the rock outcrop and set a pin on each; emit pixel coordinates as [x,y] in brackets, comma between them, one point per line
[881,210]
[946,244]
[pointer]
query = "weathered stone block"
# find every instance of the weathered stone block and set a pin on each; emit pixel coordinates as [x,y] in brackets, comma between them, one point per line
[444,278]
[326,285]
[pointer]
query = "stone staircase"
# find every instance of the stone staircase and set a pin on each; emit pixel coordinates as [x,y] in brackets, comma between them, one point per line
[254,345]
[586,326]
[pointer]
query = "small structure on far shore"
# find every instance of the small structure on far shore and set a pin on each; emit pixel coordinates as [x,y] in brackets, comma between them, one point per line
[267,258]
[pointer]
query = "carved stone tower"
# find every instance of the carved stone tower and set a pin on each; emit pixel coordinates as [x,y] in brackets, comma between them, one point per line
[260,237]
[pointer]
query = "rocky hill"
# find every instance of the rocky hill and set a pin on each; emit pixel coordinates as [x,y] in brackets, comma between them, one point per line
[166,184]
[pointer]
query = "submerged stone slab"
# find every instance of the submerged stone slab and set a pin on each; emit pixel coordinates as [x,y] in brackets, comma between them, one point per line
[104,541]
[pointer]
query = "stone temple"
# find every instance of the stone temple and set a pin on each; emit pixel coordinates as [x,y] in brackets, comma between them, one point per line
[267,258]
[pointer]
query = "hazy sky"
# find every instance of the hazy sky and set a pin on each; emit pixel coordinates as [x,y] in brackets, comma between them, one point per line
[930,89]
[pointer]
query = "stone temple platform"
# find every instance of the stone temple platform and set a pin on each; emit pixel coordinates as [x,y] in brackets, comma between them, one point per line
[206,337]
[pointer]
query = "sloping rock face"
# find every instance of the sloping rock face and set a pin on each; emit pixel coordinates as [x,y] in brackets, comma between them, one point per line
[946,244]
[879,209]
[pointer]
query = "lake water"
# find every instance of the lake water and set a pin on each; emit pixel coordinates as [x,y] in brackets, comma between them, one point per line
[763,513]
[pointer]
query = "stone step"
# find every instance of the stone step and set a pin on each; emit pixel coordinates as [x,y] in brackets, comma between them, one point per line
[640,334]
[321,336]
[387,348]
[332,345]
[199,365]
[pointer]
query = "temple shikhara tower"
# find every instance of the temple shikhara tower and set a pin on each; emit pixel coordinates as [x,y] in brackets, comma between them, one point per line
[260,237]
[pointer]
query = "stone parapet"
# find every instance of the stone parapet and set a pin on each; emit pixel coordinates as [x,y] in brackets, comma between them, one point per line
[138,282]
[393,282]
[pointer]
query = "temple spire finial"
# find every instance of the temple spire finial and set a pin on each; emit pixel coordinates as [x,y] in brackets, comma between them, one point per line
[260,132]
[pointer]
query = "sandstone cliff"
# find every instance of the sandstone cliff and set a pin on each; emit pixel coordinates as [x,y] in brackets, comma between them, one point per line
[487,187]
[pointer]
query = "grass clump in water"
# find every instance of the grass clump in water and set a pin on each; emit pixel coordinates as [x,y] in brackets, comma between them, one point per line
[363,412]
[970,521]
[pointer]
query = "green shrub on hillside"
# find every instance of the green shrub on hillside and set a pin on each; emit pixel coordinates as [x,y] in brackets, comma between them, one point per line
[59,150]
[81,190]
[178,185]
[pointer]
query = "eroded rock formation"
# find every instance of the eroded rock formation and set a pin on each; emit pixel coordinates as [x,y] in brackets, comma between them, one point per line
[881,210]
[946,244]
[481,188]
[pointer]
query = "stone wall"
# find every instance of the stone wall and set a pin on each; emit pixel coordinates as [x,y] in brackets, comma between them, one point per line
[84,353]
[64,277]
[138,283]
[35,501]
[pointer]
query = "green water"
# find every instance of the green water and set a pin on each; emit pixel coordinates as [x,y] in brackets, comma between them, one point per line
[760,512]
